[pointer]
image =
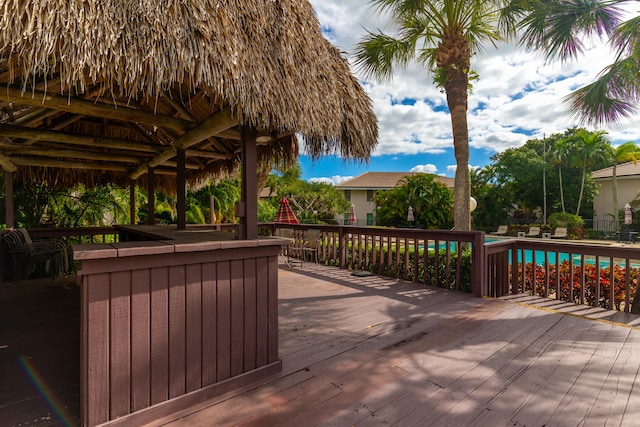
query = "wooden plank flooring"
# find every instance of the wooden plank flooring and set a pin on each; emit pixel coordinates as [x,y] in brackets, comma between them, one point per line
[367,351]
[40,354]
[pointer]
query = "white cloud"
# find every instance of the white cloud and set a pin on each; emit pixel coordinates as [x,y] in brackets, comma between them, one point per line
[429,168]
[323,179]
[518,96]
[334,180]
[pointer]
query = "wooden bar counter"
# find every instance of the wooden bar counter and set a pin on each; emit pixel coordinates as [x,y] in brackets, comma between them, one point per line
[171,318]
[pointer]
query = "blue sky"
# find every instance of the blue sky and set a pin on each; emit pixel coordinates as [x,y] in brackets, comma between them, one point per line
[517,97]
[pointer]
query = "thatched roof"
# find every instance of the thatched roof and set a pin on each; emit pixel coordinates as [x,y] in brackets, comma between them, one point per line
[95,91]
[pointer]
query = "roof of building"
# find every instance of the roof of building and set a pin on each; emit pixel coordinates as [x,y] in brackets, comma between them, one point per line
[625,169]
[382,180]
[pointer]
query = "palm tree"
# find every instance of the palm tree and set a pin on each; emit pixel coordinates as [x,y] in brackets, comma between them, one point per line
[559,29]
[590,147]
[560,156]
[441,36]
[627,152]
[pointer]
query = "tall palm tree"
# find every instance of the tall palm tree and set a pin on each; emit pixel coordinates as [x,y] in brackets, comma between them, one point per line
[627,152]
[440,36]
[590,147]
[560,156]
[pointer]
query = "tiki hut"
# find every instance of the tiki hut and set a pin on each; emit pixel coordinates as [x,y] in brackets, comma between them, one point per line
[163,94]
[96,92]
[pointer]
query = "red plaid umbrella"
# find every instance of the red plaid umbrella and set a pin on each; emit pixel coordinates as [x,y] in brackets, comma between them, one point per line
[352,215]
[285,214]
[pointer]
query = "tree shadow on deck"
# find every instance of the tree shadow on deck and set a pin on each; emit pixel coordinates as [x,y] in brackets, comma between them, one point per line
[402,353]
[40,353]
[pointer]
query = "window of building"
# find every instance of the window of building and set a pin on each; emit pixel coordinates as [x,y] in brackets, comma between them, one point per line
[347,194]
[370,195]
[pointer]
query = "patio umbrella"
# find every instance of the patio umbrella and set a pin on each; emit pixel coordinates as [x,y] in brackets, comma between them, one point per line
[410,217]
[352,215]
[628,218]
[285,214]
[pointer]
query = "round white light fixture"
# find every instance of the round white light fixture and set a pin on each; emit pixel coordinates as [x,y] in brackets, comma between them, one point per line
[473,204]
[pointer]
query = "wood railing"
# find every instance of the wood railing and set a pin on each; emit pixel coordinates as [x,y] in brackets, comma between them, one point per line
[597,275]
[564,270]
[447,259]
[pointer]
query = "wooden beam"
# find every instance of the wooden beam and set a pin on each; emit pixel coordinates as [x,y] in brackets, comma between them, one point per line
[28,161]
[71,154]
[181,190]
[90,108]
[248,228]
[12,131]
[216,123]
[151,196]
[8,200]
[207,154]
[6,163]
[132,202]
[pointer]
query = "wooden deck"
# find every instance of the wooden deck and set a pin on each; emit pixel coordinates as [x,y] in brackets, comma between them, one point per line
[371,351]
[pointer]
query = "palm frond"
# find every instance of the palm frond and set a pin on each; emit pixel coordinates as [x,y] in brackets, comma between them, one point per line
[612,97]
[376,55]
[558,28]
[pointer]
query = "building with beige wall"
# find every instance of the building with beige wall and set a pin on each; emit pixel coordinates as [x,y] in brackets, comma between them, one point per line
[361,191]
[628,182]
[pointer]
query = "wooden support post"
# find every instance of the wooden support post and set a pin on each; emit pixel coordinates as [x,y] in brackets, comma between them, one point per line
[248,229]
[181,189]
[151,196]
[132,202]
[8,199]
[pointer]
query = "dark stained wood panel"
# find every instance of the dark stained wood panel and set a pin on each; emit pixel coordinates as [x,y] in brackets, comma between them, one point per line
[140,339]
[177,330]
[209,319]
[95,358]
[159,334]
[176,324]
[194,327]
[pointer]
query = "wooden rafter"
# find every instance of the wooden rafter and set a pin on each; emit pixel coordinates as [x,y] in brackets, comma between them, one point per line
[67,138]
[81,106]
[216,123]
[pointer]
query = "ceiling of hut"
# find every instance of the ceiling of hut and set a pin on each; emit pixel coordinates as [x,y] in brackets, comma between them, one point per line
[46,133]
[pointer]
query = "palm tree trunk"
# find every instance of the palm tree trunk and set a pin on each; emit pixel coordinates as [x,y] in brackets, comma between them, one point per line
[614,184]
[561,191]
[584,173]
[457,101]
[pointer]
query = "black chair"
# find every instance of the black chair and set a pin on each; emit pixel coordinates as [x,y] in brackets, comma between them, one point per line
[29,257]
[627,235]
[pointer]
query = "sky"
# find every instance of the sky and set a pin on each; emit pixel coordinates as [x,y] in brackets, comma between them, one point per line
[517,98]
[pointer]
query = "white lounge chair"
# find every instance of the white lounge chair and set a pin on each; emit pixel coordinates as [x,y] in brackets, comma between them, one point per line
[533,232]
[501,231]
[559,233]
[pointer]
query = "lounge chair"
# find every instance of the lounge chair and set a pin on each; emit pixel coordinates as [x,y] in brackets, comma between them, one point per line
[533,232]
[501,231]
[559,233]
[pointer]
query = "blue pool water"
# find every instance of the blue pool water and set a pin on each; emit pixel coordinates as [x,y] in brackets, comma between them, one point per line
[530,255]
